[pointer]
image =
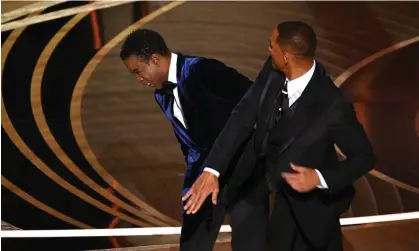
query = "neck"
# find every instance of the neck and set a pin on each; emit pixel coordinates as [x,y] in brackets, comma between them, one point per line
[299,69]
[167,65]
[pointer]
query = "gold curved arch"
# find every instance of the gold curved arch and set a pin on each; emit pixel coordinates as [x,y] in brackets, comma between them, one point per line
[22,194]
[394,182]
[384,177]
[75,112]
[37,162]
[61,13]
[27,9]
[7,46]
[40,120]
[364,62]
[355,68]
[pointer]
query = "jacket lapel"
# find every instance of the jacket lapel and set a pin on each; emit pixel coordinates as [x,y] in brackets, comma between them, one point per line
[191,114]
[301,114]
[273,87]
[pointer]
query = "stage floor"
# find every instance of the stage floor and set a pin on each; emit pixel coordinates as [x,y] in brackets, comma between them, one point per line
[399,236]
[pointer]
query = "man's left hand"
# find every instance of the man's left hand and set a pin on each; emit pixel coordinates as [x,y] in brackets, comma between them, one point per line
[304,179]
[206,184]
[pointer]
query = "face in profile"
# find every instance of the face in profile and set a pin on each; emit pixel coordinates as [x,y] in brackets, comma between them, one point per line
[147,73]
[276,52]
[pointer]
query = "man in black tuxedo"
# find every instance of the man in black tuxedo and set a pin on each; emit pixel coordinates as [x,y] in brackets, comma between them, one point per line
[197,95]
[299,115]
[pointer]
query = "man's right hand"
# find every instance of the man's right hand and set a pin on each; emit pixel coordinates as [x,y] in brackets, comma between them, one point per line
[206,184]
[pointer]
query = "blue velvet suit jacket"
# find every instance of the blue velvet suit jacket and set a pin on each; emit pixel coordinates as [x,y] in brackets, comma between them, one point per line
[208,92]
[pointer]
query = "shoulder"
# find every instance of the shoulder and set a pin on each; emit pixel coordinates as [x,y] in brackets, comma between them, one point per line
[210,69]
[193,65]
[198,64]
[326,89]
[327,94]
[334,93]
[206,65]
[340,106]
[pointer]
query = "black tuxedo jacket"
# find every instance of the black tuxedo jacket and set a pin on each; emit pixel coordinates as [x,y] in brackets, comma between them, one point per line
[305,135]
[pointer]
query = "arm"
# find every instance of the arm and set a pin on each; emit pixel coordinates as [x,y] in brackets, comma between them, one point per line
[323,184]
[224,82]
[350,137]
[348,134]
[237,129]
[210,76]
[239,125]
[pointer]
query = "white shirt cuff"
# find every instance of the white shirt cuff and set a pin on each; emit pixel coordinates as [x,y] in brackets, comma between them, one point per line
[323,184]
[210,170]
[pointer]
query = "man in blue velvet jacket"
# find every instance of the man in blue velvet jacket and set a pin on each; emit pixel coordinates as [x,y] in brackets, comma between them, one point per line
[197,95]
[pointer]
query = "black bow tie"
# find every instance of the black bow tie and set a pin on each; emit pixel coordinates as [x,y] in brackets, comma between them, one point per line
[168,87]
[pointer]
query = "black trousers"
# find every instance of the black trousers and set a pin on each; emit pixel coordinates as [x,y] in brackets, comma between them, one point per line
[284,233]
[248,222]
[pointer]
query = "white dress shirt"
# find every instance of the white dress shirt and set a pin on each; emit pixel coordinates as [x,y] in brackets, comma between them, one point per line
[295,89]
[177,108]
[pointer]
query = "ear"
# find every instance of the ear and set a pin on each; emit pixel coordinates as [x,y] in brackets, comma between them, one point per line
[286,58]
[155,59]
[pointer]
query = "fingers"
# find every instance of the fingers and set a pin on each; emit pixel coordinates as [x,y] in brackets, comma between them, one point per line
[291,176]
[195,204]
[188,194]
[298,169]
[195,207]
[200,199]
[295,180]
[296,184]
[300,185]
[196,199]
[204,186]
[215,197]
[191,201]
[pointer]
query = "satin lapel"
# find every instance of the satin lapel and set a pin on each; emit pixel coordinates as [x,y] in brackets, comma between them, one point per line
[186,110]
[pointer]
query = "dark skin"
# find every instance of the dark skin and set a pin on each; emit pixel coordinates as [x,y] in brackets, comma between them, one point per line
[152,73]
[304,179]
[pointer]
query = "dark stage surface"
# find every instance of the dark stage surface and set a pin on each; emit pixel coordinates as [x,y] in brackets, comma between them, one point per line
[85,146]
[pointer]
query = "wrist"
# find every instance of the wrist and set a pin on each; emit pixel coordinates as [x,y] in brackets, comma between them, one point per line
[212,171]
[320,181]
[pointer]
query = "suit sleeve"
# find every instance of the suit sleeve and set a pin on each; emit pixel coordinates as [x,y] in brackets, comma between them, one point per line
[225,82]
[239,125]
[349,135]
[212,76]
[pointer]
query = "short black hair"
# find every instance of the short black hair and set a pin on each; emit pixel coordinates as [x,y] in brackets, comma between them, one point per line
[144,43]
[299,36]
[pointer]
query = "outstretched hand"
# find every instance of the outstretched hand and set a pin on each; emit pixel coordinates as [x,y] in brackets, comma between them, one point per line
[206,184]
